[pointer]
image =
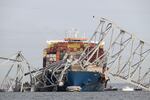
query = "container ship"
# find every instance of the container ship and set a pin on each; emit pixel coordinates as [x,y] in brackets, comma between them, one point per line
[62,70]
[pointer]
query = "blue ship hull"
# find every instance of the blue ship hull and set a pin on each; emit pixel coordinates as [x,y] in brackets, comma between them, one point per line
[88,81]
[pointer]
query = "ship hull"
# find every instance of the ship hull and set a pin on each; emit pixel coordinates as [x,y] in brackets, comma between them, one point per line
[85,81]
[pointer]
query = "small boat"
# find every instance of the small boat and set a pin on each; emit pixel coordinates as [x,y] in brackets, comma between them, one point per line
[111,89]
[127,88]
[138,89]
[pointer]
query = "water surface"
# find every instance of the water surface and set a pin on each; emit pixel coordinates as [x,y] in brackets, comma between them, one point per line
[108,95]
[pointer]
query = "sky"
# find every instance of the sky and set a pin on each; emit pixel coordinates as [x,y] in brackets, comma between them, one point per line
[25,25]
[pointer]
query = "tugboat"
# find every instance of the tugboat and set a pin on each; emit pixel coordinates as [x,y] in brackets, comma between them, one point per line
[75,78]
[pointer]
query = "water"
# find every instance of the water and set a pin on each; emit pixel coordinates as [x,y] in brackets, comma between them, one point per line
[108,95]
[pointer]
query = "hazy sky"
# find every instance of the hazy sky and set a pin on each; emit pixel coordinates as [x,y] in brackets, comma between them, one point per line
[26,24]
